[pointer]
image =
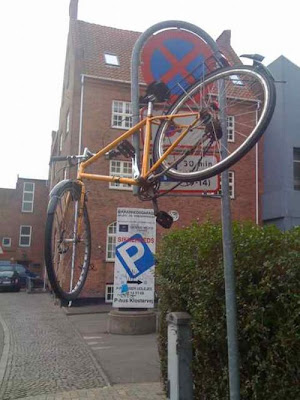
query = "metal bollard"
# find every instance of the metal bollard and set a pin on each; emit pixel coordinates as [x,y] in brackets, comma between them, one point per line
[29,285]
[180,380]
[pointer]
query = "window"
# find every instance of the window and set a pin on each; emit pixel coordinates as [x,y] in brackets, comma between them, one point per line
[21,270]
[123,169]
[230,128]
[6,242]
[235,79]
[60,141]
[121,114]
[111,241]
[231,184]
[109,293]
[68,123]
[28,197]
[296,168]
[25,235]
[111,59]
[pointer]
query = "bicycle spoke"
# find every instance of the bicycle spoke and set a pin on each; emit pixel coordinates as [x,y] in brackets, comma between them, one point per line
[244,109]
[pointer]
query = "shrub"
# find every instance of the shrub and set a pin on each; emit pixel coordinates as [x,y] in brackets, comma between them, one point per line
[190,278]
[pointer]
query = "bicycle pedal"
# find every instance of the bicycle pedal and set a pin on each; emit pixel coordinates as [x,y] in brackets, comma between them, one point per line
[126,149]
[164,219]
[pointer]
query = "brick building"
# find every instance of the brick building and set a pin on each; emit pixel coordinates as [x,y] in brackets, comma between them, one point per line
[22,223]
[95,109]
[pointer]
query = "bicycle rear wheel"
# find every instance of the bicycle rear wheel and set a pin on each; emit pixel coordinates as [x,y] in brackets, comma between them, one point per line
[236,101]
[67,252]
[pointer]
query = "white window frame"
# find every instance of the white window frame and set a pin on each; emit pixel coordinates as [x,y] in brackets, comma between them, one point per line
[28,201]
[111,235]
[121,116]
[111,59]
[120,168]
[235,79]
[109,293]
[68,123]
[26,235]
[231,185]
[230,128]
[3,241]
[60,141]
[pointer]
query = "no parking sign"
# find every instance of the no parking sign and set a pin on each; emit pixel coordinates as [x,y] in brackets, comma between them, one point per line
[176,57]
[134,259]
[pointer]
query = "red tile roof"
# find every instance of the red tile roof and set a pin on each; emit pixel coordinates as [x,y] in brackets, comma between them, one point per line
[94,41]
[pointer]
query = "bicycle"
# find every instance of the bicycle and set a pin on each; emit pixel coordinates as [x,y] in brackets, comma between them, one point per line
[189,145]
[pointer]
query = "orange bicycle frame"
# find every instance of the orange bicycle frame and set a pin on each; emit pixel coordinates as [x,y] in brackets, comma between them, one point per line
[145,169]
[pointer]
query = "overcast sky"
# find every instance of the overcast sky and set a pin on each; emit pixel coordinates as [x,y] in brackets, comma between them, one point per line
[33,43]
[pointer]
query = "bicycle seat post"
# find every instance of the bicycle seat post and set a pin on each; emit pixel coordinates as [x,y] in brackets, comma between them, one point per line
[150,108]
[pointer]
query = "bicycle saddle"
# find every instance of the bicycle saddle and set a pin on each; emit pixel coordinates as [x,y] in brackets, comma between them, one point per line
[157,91]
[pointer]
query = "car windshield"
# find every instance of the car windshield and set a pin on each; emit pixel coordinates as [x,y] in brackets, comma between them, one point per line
[6,273]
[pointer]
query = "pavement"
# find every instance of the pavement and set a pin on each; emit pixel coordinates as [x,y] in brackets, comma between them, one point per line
[54,353]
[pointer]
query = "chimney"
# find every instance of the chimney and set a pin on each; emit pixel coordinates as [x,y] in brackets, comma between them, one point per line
[224,38]
[73,9]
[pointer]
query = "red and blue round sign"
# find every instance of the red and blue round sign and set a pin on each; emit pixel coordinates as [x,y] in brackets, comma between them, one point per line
[176,57]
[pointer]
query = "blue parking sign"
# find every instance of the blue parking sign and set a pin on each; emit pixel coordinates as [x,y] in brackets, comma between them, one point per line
[135,255]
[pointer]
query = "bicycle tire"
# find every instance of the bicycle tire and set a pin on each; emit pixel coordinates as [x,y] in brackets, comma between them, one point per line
[62,244]
[245,89]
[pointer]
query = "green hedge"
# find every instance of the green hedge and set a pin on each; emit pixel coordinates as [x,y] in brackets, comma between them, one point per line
[190,278]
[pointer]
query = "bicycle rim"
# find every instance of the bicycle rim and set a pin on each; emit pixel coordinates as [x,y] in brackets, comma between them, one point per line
[68,255]
[238,102]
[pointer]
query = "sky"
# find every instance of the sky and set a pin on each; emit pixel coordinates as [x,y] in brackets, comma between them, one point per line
[33,46]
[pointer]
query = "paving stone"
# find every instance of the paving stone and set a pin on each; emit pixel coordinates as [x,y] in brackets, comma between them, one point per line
[45,355]
[48,360]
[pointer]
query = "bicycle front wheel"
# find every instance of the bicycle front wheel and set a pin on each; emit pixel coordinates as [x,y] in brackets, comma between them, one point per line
[67,242]
[234,101]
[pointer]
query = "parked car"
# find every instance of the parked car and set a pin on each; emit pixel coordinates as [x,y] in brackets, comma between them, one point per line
[25,274]
[9,279]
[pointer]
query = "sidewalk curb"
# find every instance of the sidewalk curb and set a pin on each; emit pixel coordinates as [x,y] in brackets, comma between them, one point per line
[70,312]
[6,346]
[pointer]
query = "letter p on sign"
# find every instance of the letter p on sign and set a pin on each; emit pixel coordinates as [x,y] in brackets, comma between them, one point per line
[135,256]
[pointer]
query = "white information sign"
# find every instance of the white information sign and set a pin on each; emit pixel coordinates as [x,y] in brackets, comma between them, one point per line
[209,185]
[134,259]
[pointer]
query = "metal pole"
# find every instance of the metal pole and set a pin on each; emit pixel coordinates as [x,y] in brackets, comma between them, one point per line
[229,273]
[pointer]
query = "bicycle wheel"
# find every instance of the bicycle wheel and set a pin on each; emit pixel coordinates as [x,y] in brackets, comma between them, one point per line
[67,252]
[238,101]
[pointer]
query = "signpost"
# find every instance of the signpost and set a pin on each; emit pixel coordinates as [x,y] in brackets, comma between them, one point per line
[172,74]
[134,260]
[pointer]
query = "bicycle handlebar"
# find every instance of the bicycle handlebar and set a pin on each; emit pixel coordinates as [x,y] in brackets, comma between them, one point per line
[85,156]
[62,158]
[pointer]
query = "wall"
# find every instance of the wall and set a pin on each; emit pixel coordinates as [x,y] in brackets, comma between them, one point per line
[12,217]
[281,203]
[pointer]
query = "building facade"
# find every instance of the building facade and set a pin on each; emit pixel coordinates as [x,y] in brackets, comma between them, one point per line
[95,109]
[281,199]
[22,223]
